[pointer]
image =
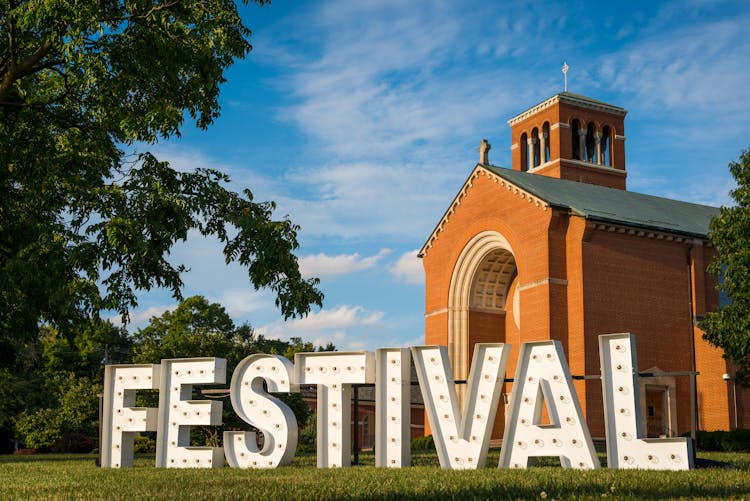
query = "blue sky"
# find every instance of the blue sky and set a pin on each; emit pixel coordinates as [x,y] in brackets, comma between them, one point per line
[362,119]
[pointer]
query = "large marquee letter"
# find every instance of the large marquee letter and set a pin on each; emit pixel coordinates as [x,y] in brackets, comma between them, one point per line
[626,447]
[464,444]
[177,412]
[271,416]
[542,375]
[121,421]
[334,373]
[392,407]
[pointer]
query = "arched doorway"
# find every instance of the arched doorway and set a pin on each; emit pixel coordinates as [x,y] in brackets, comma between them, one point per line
[483,304]
[483,298]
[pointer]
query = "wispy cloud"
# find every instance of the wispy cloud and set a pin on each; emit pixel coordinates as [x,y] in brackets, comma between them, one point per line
[139,318]
[701,67]
[369,200]
[322,265]
[401,101]
[241,302]
[328,325]
[392,88]
[408,267]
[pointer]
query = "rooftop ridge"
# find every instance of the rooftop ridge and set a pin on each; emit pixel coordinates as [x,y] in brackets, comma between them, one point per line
[610,204]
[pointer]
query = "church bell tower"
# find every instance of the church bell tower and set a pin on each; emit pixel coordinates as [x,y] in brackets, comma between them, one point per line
[571,137]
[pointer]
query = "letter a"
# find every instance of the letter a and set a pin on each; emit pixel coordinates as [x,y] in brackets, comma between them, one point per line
[542,374]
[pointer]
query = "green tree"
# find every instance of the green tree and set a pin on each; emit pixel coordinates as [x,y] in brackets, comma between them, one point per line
[297,345]
[86,350]
[74,409]
[196,328]
[49,391]
[85,226]
[729,326]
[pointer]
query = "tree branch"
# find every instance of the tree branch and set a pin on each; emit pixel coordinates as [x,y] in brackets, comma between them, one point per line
[27,67]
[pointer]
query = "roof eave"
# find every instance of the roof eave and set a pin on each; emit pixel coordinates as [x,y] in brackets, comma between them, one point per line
[436,229]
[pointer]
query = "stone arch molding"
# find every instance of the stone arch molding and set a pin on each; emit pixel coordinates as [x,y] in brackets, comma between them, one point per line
[459,295]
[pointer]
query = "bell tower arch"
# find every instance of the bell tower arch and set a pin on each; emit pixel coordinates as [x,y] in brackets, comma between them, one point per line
[571,137]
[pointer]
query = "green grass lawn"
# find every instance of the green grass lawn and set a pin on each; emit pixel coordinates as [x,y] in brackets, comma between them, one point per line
[50,476]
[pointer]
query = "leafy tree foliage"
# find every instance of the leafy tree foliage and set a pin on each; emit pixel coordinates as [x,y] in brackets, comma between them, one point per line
[195,328]
[73,409]
[85,351]
[85,226]
[729,326]
[53,387]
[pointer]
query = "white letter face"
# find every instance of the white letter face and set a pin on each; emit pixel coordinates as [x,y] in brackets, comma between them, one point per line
[334,373]
[542,375]
[626,447]
[121,421]
[392,408]
[461,440]
[177,412]
[268,414]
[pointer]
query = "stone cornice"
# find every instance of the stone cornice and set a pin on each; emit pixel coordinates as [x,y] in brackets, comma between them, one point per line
[645,233]
[567,99]
[588,165]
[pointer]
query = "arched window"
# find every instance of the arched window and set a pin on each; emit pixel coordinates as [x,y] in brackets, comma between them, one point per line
[545,142]
[590,143]
[537,158]
[606,146]
[575,126]
[523,145]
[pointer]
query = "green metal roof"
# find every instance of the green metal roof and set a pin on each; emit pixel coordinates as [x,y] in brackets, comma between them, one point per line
[611,205]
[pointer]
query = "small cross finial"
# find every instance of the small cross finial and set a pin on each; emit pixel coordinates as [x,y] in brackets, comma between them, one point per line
[565,74]
[484,152]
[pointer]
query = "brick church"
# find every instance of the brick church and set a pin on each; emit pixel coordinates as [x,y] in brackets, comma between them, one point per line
[557,248]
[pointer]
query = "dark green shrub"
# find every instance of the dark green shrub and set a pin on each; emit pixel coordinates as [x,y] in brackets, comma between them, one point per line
[736,441]
[72,441]
[305,448]
[308,431]
[422,443]
[723,441]
[144,445]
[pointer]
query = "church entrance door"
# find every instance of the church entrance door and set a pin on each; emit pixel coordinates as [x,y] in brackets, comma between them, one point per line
[657,411]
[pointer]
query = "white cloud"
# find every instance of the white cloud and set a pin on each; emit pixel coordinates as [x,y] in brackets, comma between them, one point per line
[321,265]
[701,67]
[140,317]
[324,326]
[368,200]
[396,86]
[340,317]
[241,302]
[408,267]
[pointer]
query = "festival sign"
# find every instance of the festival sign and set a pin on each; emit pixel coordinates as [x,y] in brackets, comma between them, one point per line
[461,436]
